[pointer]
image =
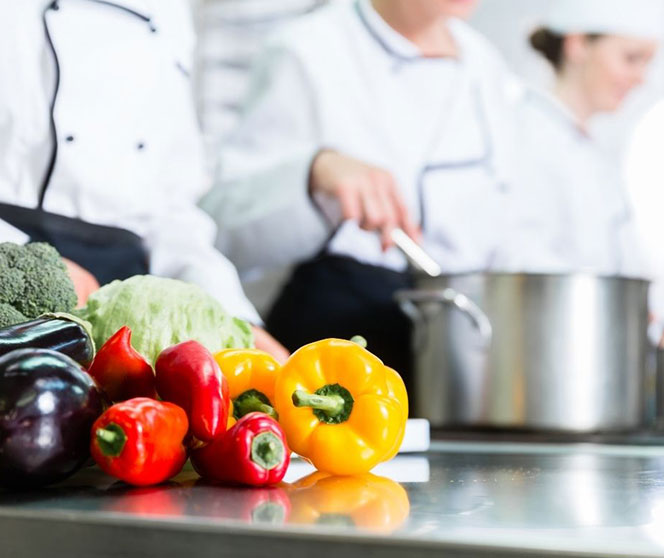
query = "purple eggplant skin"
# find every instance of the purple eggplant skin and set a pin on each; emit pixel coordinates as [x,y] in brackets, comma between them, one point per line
[48,404]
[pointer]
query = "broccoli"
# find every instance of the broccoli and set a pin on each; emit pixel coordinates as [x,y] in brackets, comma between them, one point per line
[33,281]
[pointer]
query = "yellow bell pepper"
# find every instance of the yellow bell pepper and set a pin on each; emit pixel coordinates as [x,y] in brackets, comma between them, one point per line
[364,501]
[341,407]
[251,376]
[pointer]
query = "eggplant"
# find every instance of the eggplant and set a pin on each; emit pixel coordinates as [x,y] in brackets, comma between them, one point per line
[58,332]
[48,404]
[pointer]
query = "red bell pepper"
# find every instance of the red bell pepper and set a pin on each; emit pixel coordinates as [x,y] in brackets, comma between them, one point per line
[122,372]
[140,441]
[188,376]
[253,452]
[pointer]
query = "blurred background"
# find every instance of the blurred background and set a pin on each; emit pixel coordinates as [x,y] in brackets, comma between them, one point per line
[231,33]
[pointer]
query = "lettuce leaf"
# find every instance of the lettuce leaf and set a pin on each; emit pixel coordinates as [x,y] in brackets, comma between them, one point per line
[162,312]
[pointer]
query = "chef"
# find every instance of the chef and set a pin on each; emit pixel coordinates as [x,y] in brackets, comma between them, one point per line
[99,147]
[579,217]
[364,117]
[645,186]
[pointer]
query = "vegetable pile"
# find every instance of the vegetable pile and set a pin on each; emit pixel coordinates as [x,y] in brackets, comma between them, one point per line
[176,391]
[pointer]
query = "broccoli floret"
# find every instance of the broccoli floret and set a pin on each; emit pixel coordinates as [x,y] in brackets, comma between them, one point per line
[12,284]
[33,281]
[10,316]
[11,253]
[46,253]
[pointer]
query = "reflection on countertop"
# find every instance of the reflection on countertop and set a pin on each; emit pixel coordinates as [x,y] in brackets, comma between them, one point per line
[569,497]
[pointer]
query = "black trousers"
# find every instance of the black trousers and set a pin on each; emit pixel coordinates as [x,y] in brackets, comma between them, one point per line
[107,252]
[334,296]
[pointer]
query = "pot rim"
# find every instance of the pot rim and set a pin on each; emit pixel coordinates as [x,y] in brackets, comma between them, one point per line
[533,275]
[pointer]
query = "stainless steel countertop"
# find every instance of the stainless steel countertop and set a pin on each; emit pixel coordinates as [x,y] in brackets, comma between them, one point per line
[461,499]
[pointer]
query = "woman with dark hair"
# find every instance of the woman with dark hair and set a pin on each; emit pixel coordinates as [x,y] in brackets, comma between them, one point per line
[578,217]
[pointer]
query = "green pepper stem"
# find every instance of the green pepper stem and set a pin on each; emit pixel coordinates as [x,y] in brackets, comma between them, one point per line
[267,450]
[106,435]
[359,340]
[251,401]
[331,405]
[111,439]
[267,409]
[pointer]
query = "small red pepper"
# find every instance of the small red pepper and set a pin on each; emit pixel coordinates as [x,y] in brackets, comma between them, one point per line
[253,452]
[121,371]
[140,441]
[188,376]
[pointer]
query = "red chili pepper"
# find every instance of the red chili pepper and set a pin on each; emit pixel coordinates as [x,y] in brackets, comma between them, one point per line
[140,441]
[253,452]
[121,371]
[188,376]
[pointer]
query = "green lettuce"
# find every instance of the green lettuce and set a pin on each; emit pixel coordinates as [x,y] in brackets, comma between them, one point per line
[162,312]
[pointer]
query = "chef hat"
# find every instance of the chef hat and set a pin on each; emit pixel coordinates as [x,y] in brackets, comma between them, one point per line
[632,18]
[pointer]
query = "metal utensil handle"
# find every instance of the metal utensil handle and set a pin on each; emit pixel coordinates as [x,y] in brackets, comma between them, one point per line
[408,299]
[415,254]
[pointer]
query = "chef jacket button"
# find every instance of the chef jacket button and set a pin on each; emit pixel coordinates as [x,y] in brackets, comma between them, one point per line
[69,138]
[140,145]
[55,6]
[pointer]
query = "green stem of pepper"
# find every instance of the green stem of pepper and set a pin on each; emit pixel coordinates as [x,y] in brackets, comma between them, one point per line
[250,401]
[267,450]
[111,439]
[359,340]
[332,403]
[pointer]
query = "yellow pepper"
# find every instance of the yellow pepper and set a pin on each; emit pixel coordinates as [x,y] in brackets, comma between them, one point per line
[341,407]
[251,376]
[364,501]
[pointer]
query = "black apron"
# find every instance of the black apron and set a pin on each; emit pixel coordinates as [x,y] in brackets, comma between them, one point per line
[107,252]
[337,296]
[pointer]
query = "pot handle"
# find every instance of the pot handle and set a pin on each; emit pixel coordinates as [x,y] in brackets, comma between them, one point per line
[408,301]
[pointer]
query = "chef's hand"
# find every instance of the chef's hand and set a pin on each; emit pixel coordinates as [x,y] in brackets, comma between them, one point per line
[265,342]
[84,282]
[366,194]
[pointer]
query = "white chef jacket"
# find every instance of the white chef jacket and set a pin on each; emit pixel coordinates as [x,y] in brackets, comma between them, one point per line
[129,153]
[343,79]
[645,184]
[574,214]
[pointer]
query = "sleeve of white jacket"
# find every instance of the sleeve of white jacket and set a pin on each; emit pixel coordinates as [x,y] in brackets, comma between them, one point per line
[260,200]
[181,236]
[181,247]
[8,233]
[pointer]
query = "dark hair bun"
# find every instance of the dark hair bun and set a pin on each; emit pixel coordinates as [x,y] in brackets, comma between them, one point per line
[549,45]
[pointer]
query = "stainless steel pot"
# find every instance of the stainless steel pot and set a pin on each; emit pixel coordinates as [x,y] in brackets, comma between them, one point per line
[554,352]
